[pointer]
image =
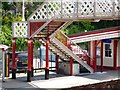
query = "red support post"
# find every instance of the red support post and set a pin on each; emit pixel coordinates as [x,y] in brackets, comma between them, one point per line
[32,69]
[94,56]
[71,60]
[47,60]
[89,49]
[101,54]
[13,59]
[115,53]
[57,58]
[29,60]
[71,67]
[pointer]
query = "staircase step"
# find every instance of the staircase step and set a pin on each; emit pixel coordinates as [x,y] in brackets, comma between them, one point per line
[75,57]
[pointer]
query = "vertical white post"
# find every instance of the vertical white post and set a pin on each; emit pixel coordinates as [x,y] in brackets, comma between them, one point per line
[23,12]
[3,65]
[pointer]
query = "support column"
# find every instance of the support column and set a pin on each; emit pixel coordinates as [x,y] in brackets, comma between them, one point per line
[13,59]
[29,72]
[94,56]
[101,54]
[47,60]
[32,69]
[57,58]
[71,66]
[3,65]
[89,50]
[115,53]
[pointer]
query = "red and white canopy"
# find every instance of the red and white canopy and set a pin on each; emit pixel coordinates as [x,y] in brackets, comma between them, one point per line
[5,47]
[108,33]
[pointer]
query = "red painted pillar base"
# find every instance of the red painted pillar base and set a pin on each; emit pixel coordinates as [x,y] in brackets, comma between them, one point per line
[57,58]
[29,60]
[13,59]
[47,60]
[71,67]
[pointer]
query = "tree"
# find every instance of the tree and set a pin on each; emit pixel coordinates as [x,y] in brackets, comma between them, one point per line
[8,16]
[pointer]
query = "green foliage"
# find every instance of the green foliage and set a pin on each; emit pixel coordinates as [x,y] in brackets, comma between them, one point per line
[8,17]
[6,35]
[78,27]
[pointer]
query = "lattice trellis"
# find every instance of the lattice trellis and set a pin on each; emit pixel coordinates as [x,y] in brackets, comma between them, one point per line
[86,8]
[20,29]
[117,8]
[47,10]
[104,8]
[64,9]
[68,9]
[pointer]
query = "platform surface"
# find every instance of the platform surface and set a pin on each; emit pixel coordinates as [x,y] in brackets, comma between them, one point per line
[59,81]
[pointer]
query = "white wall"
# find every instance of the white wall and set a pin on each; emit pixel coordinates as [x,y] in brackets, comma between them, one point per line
[64,68]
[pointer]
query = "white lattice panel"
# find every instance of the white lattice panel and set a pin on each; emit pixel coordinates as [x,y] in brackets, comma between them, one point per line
[104,8]
[65,9]
[68,9]
[86,8]
[20,30]
[117,8]
[47,10]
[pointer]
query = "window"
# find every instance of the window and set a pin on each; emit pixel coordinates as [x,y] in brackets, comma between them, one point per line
[108,51]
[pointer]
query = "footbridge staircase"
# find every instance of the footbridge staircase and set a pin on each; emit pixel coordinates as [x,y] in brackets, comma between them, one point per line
[54,15]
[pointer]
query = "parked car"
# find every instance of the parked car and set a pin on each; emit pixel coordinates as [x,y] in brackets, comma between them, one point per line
[22,61]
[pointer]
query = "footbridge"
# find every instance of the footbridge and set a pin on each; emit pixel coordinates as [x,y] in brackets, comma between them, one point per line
[45,23]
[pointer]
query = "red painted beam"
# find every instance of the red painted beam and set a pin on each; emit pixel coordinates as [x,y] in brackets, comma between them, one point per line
[29,55]
[115,42]
[94,56]
[47,59]
[101,52]
[47,55]
[29,73]
[89,50]
[32,57]
[96,32]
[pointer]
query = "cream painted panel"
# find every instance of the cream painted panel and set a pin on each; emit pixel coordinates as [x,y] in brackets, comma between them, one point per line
[98,61]
[108,62]
[91,49]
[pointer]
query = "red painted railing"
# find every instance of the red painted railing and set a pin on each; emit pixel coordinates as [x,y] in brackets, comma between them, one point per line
[74,48]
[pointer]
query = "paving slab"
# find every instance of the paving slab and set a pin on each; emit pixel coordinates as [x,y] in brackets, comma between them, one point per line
[58,81]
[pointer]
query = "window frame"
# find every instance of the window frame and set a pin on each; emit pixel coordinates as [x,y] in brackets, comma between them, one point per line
[110,47]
